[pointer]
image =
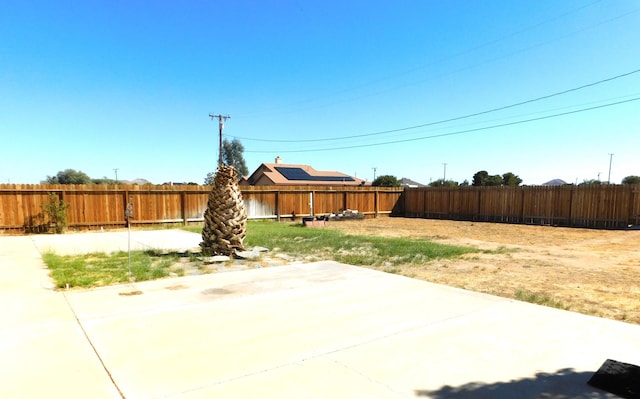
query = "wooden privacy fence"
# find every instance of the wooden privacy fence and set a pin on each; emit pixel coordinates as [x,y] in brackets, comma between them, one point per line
[290,202]
[592,206]
[95,206]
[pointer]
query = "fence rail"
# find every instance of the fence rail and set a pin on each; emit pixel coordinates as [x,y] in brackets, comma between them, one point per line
[592,206]
[95,206]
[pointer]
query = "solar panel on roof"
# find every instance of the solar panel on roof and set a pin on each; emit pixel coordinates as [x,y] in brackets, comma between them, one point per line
[293,173]
[331,178]
[301,174]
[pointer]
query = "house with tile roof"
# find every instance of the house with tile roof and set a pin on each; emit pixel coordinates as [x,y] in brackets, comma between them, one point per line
[281,174]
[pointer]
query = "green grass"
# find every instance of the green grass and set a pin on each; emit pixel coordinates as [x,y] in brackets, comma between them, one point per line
[98,269]
[310,244]
[328,244]
[539,299]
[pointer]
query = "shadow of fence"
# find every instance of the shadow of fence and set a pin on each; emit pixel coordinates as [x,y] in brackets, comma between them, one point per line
[35,224]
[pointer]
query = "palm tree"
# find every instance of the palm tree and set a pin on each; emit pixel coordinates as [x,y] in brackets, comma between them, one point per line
[225,220]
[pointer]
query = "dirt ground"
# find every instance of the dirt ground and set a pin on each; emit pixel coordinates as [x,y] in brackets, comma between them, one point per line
[595,272]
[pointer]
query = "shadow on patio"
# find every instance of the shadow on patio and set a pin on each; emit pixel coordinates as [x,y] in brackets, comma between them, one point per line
[563,384]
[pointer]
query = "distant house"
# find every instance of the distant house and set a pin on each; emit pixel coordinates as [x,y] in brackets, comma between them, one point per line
[408,183]
[279,174]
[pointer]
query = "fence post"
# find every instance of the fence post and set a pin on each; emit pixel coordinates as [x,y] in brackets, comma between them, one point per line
[125,202]
[375,203]
[522,190]
[311,203]
[183,211]
[479,191]
[344,200]
[571,206]
[632,201]
[423,191]
[62,192]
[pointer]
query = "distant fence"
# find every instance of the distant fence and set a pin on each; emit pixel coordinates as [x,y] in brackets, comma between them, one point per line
[96,206]
[592,206]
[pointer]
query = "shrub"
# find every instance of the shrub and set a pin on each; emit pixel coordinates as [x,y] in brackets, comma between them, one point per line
[55,211]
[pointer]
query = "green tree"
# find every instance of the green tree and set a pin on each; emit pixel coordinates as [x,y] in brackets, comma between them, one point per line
[104,180]
[443,183]
[211,177]
[493,180]
[479,178]
[631,180]
[69,176]
[509,179]
[465,183]
[386,181]
[483,178]
[232,155]
[587,182]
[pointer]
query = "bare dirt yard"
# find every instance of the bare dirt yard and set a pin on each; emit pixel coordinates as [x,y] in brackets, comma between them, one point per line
[595,272]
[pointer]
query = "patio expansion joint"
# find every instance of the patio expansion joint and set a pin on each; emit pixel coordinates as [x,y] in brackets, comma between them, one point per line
[95,350]
[327,354]
[367,377]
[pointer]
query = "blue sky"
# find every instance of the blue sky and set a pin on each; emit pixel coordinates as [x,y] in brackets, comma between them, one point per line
[99,85]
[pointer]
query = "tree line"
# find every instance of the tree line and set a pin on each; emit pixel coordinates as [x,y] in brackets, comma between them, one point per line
[483,178]
[480,178]
[232,154]
[72,176]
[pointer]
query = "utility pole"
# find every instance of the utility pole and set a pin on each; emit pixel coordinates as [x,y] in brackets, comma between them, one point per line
[221,119]
[610,160]
[444,178]
[116,170]
[374,172]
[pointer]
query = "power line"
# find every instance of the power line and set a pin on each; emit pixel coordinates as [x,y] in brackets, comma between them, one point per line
[438,61]
[521,115]
[472,66]
[450,119]
[460,131]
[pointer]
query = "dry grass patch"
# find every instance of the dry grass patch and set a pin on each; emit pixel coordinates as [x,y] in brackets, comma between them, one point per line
[589,271]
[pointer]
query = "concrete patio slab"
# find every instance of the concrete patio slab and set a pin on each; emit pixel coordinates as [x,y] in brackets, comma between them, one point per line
[43,351]
[114,241]
[303,330]
[333,330]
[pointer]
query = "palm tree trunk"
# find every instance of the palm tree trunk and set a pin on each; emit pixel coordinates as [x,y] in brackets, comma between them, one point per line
[225,220]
